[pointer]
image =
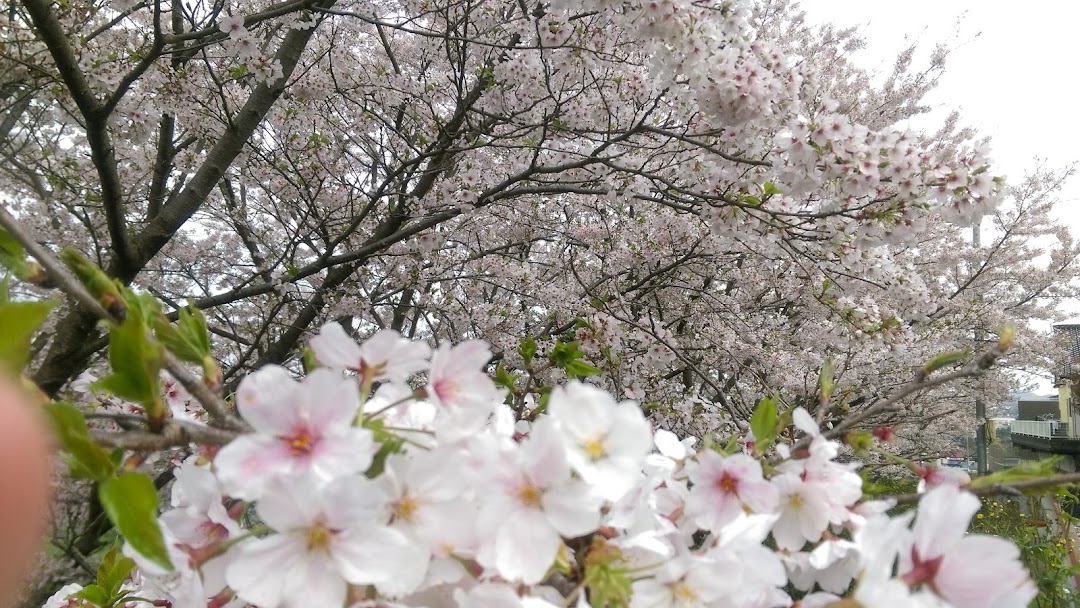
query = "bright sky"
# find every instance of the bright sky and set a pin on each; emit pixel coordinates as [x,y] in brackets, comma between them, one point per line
[1012,74]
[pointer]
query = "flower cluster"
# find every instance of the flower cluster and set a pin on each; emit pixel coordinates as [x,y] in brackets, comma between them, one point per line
[396,476]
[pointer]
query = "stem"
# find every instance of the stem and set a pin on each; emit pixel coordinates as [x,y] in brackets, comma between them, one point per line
[387,407]
[1018,487]
[570,597]
[1070,545]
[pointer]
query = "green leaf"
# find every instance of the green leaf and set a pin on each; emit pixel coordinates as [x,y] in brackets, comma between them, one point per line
[503,377]
[113,571]
[527,350]
[13,257]
[763,422]
[135,358]
[564,353]
[768,189]
[87,459]
[131,502]
[189,338]
[580,369]
[389,443]
[19,322]
[545,398]
[95,595]
[173,340]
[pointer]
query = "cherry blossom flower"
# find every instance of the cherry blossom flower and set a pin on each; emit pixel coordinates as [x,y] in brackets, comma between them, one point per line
[534,502]
[457,379]
[967,570]
[327,537]
[934,476]
[198,517]
[233,25]
[605,441]
[383,356]
[492,595]
[805,512]
[686,581]
[300,427]
[426,495]
[724,486]
[60,598]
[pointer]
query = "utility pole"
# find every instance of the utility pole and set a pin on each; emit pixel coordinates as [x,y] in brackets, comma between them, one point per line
[980,407]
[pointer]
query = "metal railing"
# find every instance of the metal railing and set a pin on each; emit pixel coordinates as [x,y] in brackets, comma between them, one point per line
[1041,428]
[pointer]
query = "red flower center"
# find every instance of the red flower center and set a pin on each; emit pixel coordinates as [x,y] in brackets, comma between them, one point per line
[301,442]
[727,483]
[922,571]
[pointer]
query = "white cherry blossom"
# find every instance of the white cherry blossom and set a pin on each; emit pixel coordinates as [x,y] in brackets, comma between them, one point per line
[300,427]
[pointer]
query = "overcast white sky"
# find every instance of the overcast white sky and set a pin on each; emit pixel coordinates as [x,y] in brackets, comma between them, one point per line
[1013,75]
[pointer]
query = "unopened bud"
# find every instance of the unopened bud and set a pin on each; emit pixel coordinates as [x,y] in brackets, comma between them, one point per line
[96,281]
[1006,336]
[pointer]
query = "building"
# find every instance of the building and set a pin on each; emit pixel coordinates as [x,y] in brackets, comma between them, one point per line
[1045,426]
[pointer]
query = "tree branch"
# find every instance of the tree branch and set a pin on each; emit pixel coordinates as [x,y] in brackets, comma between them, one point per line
[95,115]
[1017,487]
[71,286]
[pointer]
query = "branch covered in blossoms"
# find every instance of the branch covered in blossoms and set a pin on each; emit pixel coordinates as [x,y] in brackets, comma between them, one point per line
[704,207]
[398,476]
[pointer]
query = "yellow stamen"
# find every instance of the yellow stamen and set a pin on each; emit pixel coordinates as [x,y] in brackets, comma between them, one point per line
[406,508]
[727,484]
[595,448]
[685,593]
[530,495]
[318,538]
[795,501]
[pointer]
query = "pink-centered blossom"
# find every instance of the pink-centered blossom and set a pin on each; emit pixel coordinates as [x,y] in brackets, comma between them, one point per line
[233,25]
[724,486]
[968,570]
[300,428]
[457,377]
[384,356]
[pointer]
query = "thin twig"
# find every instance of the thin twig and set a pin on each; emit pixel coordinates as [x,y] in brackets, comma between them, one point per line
[70,285]
[1017,487]
[175,433]
[920,383]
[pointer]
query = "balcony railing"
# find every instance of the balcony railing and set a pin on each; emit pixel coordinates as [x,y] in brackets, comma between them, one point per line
[1048,429]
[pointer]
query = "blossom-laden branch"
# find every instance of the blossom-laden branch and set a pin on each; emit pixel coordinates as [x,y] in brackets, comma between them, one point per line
[923,381]
[357,476]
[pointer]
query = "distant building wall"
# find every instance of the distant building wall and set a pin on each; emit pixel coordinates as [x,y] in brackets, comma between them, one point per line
[1042,409]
